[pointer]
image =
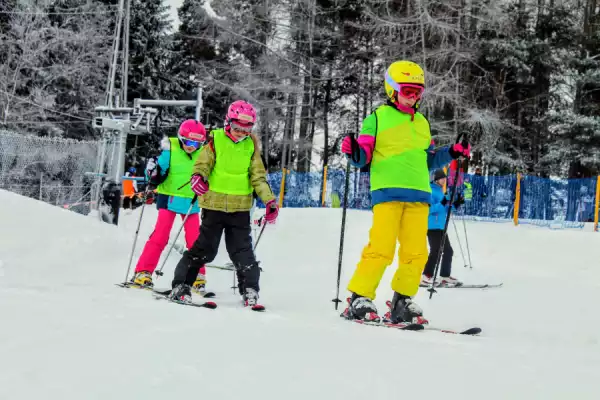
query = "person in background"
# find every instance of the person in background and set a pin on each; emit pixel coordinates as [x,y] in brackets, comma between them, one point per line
[438,212]
[480,193]
[129,189]
[468,195]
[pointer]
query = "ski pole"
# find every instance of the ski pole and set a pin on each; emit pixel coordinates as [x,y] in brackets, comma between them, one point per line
[261,220]
[467,241]
[233,286]
[355,157]
[459,244]
[159,271]
[137,232]
[431,290]
[184,185]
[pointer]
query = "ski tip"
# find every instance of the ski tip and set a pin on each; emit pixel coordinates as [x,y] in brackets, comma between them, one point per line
[471,331]
[258,307]
[413,327]
[209,295]
[209,304]
[162,292]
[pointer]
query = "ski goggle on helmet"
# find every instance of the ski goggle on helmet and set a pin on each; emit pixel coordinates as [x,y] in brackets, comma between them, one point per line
[241,116]
[405,78]
[192,133]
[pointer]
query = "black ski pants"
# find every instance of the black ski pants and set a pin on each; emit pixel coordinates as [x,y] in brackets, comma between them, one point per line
[238,241]
[435,241]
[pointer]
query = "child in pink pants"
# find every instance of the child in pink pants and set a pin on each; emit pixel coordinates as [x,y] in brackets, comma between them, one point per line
[170,172]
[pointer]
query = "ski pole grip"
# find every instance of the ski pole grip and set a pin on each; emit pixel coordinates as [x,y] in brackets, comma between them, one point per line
[465,140]
[462,139]
[355,148]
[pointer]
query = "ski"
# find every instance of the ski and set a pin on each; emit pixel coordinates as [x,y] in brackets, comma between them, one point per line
[426,326]
[206,295]
[128,285]
[465,286]
[257,307]
[404,326]
[159,295]
[470,332]
[417,327]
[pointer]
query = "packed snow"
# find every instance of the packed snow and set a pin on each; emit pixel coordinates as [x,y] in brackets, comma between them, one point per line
[67,332]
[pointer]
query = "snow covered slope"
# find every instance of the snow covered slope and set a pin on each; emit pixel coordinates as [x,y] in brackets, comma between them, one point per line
[67,332]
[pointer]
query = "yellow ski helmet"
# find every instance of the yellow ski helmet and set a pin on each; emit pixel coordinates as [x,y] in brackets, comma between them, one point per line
[402,72]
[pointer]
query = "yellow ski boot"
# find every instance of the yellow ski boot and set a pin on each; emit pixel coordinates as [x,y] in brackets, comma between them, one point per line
[199,286]
[143,279]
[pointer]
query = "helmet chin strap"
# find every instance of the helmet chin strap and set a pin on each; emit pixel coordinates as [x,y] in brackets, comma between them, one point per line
[233,138]
[404,109]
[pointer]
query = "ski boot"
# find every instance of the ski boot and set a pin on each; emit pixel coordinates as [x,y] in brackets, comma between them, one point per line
[143,279]
[403,309]
[182,293]
[427,280]
[199,286]
[250,297]
[361,308]
[448,281]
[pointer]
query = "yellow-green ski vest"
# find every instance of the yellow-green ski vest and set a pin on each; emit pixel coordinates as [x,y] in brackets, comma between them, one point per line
[468,191]
[399,158]
[231,173]
[180,171]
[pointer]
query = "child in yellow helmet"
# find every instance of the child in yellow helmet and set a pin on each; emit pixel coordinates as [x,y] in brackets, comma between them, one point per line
[396,141]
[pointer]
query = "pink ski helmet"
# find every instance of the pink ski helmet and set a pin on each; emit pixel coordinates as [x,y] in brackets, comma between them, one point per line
[241,115]
[192,133]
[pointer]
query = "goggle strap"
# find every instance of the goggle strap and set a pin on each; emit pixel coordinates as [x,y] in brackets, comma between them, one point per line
[396,86]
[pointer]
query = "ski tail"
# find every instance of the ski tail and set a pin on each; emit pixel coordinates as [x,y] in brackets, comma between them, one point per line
[164,295]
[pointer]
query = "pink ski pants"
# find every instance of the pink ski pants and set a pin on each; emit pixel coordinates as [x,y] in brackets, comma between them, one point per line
[160,237]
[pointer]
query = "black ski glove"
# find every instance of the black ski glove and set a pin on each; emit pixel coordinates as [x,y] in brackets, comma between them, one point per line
[460,201]
[444,201]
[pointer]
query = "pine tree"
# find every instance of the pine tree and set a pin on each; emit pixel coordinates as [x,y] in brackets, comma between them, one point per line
[199,57]
[6,8]
[150,51]
[524,62]
[576,122]
[54,70]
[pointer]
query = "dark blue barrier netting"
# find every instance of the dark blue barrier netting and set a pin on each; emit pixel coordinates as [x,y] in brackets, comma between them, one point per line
[542,201]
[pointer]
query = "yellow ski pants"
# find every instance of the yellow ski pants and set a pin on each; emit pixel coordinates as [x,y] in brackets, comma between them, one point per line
[406,223]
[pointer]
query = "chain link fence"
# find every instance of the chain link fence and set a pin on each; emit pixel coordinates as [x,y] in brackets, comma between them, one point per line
[64,172]
[55,170]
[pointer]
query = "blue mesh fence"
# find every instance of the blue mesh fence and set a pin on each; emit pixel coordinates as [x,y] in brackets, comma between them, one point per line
[553,203]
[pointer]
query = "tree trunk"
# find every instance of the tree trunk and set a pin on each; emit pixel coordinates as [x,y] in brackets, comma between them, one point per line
[264,136]
[288,131]
[328,87]
[303,143]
